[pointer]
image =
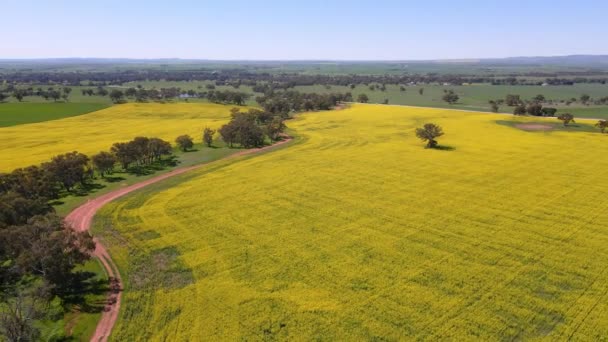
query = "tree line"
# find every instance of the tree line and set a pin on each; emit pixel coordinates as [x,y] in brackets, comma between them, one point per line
[241,76]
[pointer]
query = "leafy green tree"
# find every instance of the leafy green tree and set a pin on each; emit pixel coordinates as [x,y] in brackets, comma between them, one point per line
[117,95]
[549,111]
[275,128]
[566,118]
[602,125]
[421,91]
[19,94]
[124,154]
[362,98]
[494,106]
[184,142]
[429,133]
[17,317]
[450,97]
[158,148]
[208,136]
[539,98]
[535,109]
[69,169]
[513,100]
[104,162]
[519,110]
[585,98]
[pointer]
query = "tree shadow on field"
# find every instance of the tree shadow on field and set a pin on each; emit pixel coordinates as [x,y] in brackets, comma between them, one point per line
[113,179]
[78,286]
[144,170]
[191,150]
[87,188]
[444,148]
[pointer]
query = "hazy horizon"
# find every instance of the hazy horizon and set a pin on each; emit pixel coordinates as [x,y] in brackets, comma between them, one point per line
[316,30]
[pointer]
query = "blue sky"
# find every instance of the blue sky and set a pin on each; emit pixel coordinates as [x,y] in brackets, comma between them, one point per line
[307,29]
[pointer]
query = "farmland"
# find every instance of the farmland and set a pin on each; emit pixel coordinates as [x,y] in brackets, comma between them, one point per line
[12,114]
[356,232]
[29,144]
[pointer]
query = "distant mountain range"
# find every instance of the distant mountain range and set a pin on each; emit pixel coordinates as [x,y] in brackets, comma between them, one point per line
[582,61]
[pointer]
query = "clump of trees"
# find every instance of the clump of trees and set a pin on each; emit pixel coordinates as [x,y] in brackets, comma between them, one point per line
[249,129]
[283,103]
[140,151]
[429,133]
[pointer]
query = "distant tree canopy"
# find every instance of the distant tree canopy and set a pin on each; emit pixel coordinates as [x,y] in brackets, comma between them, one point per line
[285,102]
[450,97]
[566,118]
[519,110]
[535,109]
[513,100]
[362,98]
[117,96]
[429,133]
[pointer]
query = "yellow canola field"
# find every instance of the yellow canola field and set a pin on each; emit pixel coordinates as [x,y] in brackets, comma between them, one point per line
[356,232]
[32,144]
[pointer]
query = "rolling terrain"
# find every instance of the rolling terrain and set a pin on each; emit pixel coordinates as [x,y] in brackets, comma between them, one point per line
[356,232]
[30,144]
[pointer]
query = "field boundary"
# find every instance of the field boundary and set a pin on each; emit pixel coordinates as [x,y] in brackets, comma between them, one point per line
[470,111]
[80,219]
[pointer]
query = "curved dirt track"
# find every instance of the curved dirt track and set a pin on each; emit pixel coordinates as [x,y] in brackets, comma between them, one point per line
[80,219]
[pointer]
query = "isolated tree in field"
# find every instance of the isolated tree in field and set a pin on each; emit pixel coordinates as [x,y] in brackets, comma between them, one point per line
[275,127]
[429,133]
[494,106]
[104,162]
[184,142]
[566,118]
[602,125]
[450,97]
[19,94]
[519,110]
[55,95]
[585,98]
[362,98]
[421,91]
[208,136]
[401,88]
[2,97]
[116,95]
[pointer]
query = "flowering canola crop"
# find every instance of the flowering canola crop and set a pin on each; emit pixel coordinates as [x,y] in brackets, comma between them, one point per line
[356,232]
[31,144]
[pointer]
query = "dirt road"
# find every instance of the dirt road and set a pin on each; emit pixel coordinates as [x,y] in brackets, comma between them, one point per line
[80,219]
